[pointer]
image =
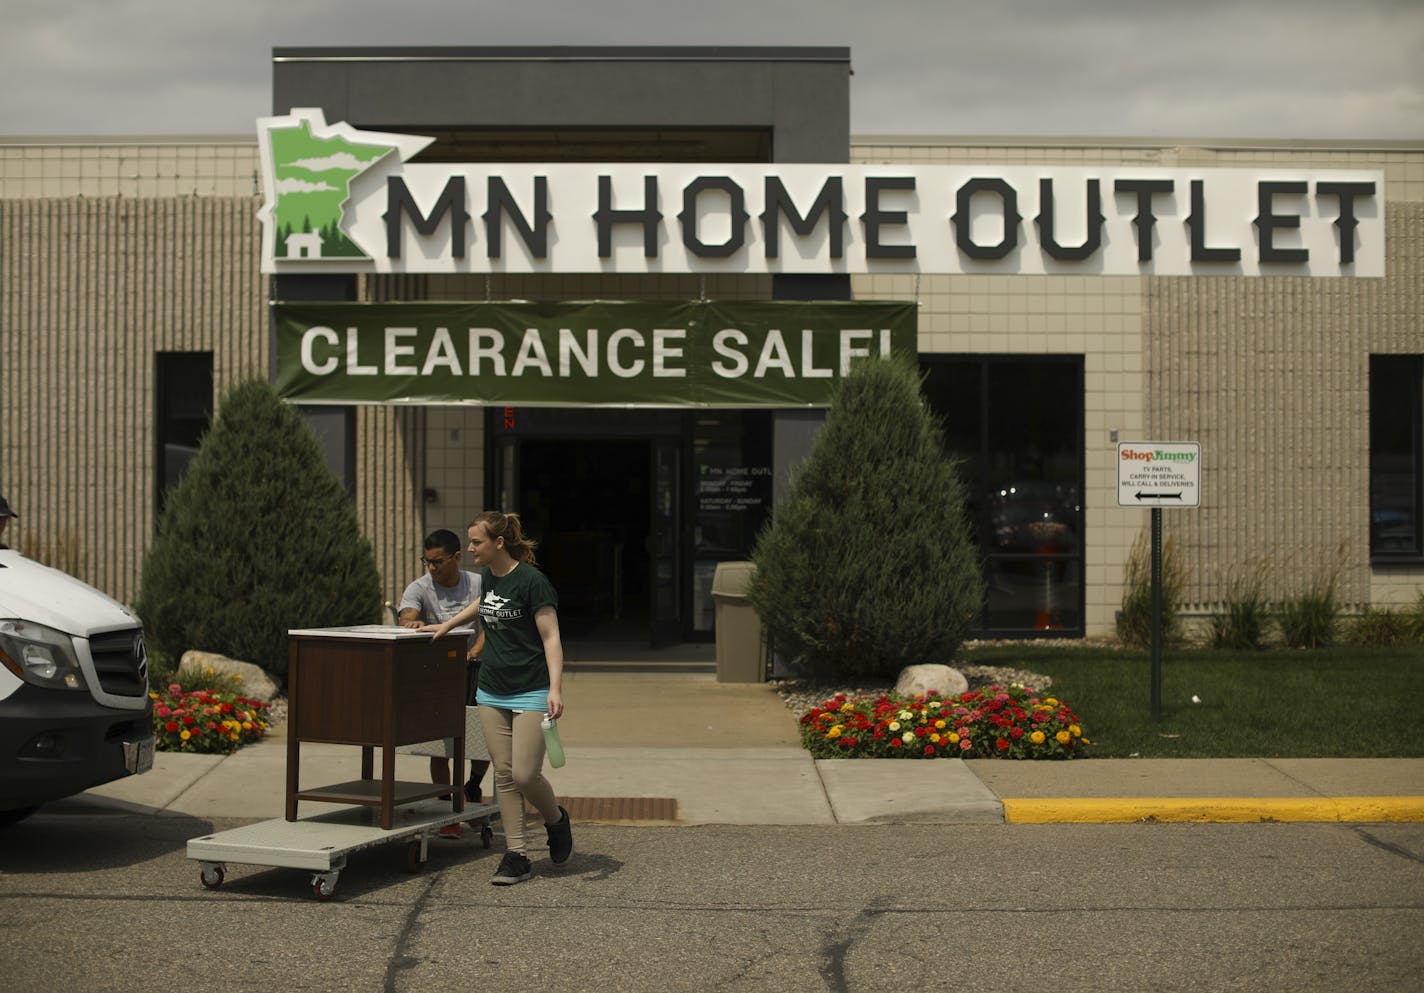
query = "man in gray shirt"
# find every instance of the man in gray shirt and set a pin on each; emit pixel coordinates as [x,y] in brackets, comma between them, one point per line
[442,592]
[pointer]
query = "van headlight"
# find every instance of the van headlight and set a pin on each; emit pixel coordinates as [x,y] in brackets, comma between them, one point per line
[39,655]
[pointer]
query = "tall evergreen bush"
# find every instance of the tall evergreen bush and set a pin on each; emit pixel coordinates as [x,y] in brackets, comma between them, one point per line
[258,537]
[868,564]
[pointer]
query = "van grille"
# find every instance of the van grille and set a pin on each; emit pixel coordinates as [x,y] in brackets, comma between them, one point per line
[121,662]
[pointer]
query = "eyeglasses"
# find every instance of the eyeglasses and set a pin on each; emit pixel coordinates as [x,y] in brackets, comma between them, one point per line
[435,563]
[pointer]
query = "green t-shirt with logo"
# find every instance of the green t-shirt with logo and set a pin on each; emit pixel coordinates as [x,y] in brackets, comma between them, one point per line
[513,657]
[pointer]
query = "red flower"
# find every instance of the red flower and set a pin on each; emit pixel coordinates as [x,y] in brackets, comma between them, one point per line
[929,749]
[849,742]
[879,733]
[894,742]
[171,726]
[1016,732]
[1002,744]
[189,719]
[921,731]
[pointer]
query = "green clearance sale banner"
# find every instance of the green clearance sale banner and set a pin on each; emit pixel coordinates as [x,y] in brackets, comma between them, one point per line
[623,354]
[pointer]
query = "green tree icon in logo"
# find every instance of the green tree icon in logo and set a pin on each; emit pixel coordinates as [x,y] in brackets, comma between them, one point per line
[313,180]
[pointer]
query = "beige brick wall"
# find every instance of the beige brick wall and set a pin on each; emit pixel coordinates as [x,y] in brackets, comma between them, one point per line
[90,289]
[90,167]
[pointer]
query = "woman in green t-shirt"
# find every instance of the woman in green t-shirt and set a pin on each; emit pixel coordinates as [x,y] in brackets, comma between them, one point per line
[521,679]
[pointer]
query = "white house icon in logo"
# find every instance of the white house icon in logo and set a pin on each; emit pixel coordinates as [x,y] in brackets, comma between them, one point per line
[307,170]
[305,245]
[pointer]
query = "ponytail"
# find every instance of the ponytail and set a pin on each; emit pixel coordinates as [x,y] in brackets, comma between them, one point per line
[507,526]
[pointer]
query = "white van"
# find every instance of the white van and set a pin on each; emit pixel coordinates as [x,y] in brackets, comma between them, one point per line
[74,705]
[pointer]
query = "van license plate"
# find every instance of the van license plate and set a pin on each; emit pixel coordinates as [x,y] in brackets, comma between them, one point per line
[138,755]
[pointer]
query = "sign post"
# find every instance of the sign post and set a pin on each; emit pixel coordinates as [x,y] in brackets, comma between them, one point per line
[1157,474]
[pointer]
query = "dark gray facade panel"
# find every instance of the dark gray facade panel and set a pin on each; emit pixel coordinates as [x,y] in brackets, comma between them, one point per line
[805,103]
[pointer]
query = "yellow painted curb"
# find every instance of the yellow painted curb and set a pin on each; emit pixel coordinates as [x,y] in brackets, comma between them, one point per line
[1215,809]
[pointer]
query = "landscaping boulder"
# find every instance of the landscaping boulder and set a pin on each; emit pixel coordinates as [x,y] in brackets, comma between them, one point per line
[941,679]
[254,683]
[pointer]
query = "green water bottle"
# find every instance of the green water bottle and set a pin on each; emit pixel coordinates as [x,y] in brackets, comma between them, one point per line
[552,745]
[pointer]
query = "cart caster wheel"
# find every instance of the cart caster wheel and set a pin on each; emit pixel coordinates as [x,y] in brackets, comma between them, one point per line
[413,862]
[486,835]
[212,876]
[323,890]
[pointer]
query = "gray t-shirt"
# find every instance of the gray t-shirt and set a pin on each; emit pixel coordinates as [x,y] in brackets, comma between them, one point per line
[438,603]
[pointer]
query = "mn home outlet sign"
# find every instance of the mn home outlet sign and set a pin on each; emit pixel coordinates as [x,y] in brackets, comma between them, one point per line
[339,199]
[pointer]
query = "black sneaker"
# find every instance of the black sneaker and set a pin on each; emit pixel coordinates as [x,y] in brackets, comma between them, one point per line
[561,839]
[472,793]
[513,868]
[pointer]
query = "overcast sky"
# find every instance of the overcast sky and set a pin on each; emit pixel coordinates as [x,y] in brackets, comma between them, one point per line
[1183,68]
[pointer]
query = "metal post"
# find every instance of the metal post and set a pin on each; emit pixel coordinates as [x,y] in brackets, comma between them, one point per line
[1156,613]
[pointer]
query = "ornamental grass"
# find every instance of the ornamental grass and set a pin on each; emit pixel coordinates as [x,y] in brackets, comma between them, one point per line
[1011,722]
[205,721]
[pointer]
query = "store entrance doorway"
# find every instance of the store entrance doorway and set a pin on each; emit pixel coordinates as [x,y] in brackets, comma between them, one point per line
[587,501]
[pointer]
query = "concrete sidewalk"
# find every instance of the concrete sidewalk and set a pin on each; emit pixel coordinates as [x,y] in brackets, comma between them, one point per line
[675,748]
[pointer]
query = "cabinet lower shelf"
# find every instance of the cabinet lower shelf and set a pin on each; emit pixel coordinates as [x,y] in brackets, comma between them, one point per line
[367,792]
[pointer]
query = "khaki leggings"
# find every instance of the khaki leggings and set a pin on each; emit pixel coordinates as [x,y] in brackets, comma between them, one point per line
[516,746]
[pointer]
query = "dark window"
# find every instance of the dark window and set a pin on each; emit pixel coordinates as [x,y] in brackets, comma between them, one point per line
[1396,455]
[335,430]
[184,410]
[1016,424]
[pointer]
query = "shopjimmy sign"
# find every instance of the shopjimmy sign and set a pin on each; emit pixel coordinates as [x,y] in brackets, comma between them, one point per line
[340,199]
[625,354]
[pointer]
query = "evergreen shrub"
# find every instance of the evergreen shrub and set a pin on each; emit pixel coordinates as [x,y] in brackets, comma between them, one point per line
[259,536]
[868,564]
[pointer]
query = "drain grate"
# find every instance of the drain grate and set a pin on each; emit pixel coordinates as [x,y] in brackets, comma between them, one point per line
[645,809]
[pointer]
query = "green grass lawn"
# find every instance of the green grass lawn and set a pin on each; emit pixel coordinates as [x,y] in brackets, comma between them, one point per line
[1323,703]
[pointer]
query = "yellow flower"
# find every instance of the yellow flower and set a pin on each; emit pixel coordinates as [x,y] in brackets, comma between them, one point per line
[185,734]
[1052,702]
[847,707]
[940,725]
[1036,737]
[934,738]
[247,725]
[953,738]
[236,736]
[894,725]
[835,731]
[1075,730]
[1063,737]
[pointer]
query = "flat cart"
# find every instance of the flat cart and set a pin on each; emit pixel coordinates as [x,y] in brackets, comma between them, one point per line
[320,842]
[367,686]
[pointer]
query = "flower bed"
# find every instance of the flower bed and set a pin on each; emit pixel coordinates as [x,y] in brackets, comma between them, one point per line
[1010,722]
[205,721]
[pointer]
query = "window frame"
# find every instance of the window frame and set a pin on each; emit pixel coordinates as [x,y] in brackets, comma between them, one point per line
[1412,367]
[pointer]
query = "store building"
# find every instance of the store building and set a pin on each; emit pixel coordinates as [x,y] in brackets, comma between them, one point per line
[1276,323]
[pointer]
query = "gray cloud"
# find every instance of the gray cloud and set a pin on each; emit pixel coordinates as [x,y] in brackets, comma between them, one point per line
[1257,68]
